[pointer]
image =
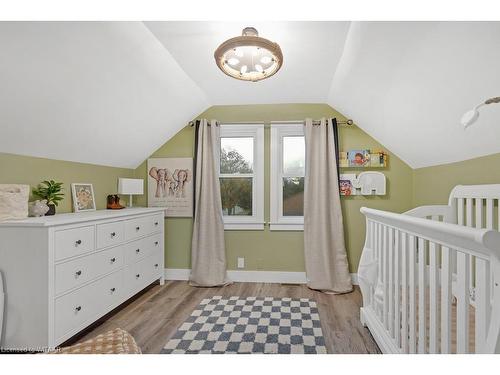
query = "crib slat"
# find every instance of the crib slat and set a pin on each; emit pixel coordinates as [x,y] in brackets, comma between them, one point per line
[413,294]
[397,283]
[446,296]
[460,211]
[479,213]
[390,261]
[421,296]
[433,295]
[489,213]
[375,255]
[380,263]
[386,278]
[404,292]
[482,295]
[462,303]
[468,212]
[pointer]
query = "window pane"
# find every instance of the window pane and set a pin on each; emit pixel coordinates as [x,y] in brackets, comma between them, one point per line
[293,196]
[294,156]
[236,194]
[236,155]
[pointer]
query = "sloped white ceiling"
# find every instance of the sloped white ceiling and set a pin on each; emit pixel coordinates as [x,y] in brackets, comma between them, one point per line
[106,93]
[111,93]
[311,53]
[408,83]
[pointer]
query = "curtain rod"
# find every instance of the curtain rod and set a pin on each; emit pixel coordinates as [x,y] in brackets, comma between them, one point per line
[348,122]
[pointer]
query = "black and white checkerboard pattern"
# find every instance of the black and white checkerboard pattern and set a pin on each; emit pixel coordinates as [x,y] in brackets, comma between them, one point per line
[250,325]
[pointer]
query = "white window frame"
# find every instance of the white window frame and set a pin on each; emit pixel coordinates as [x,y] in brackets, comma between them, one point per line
[256,131]
[278,221]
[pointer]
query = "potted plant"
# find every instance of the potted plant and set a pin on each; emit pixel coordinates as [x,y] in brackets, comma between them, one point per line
[51,191]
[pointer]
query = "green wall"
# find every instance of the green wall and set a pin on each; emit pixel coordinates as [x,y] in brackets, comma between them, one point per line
[265,250]
[271,250]
[16,169]
[432,185]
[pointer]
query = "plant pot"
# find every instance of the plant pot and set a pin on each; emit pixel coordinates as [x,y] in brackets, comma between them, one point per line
[52,210]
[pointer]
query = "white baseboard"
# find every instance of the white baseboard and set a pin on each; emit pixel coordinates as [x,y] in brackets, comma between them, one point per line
[251,276]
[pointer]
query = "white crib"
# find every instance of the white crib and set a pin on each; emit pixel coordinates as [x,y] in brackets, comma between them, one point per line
[430,277]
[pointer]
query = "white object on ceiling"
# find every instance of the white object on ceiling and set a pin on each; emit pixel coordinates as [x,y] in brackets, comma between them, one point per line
[311,52]
[407,84]
[97,92]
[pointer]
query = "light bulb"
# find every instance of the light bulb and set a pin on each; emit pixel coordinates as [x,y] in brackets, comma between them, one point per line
[243,69]
[259,68]
[233,61]
[265,60]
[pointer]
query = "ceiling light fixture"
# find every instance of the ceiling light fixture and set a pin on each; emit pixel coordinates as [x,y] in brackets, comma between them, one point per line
[471,116]
[249,57]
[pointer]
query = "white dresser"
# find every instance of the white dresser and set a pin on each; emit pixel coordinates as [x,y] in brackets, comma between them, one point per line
[61,273]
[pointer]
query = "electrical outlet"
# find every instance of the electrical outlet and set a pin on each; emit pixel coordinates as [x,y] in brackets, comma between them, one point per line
[241,262]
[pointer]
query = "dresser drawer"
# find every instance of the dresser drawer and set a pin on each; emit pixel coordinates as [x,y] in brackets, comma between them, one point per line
[73,310]
[108,260]
[109,234]
[141,274]
[143,226]
[153,266]
[72,242]
[76,272]
[71,274]
[139,249]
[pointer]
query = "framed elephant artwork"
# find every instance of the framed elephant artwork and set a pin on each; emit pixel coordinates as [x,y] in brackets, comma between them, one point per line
[170,185]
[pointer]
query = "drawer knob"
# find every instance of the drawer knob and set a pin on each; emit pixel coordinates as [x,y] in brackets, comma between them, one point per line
[137,228]
[78,242]
[113,260]
[156,265]
[156,243]
[113,234]
[113,290]
[78,308]
[78,273]
[156,223]
[138,251]
[138,275]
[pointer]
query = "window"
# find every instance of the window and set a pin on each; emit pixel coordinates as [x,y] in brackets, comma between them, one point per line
[287,177]
[241,176]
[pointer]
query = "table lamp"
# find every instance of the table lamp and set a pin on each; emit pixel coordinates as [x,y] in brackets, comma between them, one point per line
[130,186]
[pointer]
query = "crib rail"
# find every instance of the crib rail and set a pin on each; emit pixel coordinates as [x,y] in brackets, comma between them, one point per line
[406,274]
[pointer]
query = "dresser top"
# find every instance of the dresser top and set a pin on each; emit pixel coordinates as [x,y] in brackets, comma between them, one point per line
[79,217]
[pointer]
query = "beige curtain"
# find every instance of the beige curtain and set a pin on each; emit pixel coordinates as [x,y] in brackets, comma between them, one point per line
[325,255]
[208,253]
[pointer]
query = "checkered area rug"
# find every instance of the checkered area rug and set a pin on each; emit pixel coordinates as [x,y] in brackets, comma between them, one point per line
[250,325]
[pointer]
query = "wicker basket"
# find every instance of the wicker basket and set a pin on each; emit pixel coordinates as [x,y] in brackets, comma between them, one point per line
[14,201]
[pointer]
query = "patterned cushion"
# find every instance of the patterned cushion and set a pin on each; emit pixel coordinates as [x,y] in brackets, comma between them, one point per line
[116,341]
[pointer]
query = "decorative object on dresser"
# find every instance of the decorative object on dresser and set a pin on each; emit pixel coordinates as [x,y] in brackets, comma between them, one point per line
[113,202]
[83,197]
[38,208]
[130,186]
[170,185]
[51,192]
[13,201]
[75,269]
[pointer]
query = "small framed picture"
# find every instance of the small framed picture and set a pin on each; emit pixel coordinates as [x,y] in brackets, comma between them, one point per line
[83,197]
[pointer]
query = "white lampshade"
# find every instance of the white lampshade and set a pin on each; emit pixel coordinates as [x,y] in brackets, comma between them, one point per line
[130,186]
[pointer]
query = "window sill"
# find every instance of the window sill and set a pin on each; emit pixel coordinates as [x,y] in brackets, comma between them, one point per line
[243,226]
[286,227]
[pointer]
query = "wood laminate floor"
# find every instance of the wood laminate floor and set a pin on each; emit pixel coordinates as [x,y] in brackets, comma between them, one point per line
[155,315]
